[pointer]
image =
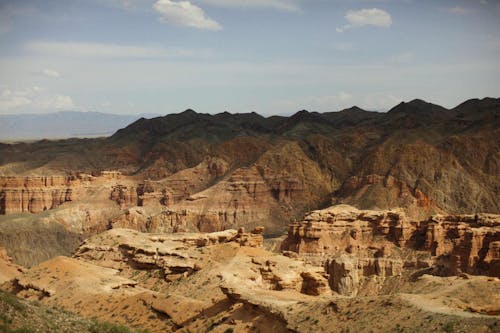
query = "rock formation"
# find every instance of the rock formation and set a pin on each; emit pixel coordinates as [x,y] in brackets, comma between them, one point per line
[345,229]
[359,246]
[349,274]
[384,192]
[34,194]
[243,199]
[465,243]
[225,281]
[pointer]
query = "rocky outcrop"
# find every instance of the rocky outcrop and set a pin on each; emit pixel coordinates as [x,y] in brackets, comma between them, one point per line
[174,255]
[111,174]
[465,243]
[124,196]
[457,243]
[167,282]
[172,189]
[34,194]
[345,229]
[253,239]
[147,193]
[349,273]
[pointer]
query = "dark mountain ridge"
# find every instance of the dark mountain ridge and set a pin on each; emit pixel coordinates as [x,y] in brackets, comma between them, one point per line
[419,155]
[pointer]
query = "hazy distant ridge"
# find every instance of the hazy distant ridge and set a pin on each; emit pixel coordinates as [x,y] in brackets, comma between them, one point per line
[63,124]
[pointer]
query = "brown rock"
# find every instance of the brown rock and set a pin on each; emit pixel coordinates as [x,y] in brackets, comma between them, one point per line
[348,273]
[8,269]
[465,243]
[340,229]
[34,194]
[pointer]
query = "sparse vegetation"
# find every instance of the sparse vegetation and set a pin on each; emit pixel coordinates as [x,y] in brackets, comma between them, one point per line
[449,327]
[20,316]
[105,327]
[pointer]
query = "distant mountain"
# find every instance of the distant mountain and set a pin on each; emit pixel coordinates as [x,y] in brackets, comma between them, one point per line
[65,124]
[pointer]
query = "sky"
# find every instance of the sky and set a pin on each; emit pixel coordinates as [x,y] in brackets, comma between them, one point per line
[267,56]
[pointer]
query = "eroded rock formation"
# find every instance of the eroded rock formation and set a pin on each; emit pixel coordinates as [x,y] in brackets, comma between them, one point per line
[345,229]
[202,282]
[465,243]
[243,199]
[348,274]
[360,246]
[34,194]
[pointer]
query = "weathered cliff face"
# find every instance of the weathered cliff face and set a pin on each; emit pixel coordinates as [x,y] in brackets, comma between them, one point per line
[243,199]
[29,242]
[357,247]
[124,196]
[385,192]
[465,243]
[171,189]
[296,181]
[345,229]
[34,194]
[349,274]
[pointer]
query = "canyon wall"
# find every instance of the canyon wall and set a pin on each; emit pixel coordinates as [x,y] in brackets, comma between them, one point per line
[360,247]
[34,194]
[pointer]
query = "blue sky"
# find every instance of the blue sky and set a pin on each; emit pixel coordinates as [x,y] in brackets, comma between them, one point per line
[268,56]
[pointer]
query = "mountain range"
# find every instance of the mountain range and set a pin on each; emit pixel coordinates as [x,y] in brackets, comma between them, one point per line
[418,155]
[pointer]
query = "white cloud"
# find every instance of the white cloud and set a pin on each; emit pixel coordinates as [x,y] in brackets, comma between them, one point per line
[109,51]
[57,101]
[33,99]
[285,5]
[366,17]
[184,13]
[50,73]
[12,99]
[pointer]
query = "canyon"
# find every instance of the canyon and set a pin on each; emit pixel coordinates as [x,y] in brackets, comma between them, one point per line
[313,222]
[227,280]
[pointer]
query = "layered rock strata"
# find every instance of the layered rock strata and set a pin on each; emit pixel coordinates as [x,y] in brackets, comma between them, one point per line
[348,274]
[345,229]
[34,194]
[359,245]
[465,243]
[243,199]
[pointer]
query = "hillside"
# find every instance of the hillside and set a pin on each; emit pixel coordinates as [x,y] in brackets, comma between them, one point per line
[416,155]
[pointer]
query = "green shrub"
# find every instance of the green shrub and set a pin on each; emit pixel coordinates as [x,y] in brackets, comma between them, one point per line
[12,301]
